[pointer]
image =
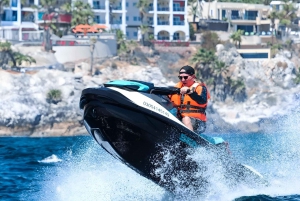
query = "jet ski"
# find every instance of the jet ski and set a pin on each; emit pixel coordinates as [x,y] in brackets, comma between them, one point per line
[135,122]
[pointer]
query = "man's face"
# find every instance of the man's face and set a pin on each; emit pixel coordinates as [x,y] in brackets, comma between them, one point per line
[186,79]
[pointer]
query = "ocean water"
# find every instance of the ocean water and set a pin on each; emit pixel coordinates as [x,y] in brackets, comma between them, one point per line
[76,168]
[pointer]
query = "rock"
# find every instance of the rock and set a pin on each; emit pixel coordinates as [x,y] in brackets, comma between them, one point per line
[82,69]
[219,48]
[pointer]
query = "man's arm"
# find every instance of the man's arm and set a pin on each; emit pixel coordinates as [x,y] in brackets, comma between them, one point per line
[200,98]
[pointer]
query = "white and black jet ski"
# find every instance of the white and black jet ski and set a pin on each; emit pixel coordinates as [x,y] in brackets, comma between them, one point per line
[135,122]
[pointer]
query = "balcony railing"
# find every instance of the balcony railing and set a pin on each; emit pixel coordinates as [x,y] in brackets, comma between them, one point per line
[160,8]
[163,37]
[102,7]
[116,7]
[178,8]
[116,22]
[250,18]
[163,22]
[181,38]
[178,23]
[234,17]
[98,21]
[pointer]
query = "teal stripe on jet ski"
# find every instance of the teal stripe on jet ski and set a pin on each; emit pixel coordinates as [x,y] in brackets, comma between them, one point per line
[142,87]
[189,141]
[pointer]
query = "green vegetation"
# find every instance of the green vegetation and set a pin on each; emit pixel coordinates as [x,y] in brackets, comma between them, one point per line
[216,73]
[143,5]
[237,37]
[192,32]
[82,13]
[54,96]
[195,12]
[210,40]
[297,79]
[9,56]
[126,47]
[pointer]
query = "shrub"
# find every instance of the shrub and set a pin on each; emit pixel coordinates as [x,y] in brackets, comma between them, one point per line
[54,96]
[210,40]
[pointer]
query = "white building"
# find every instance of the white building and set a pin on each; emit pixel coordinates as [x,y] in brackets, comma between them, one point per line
[21,22]
[167,19]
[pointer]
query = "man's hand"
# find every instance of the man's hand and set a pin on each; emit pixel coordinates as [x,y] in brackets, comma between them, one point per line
[184,90]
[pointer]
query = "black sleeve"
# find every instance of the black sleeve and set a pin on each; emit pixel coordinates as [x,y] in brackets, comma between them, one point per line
[202,98]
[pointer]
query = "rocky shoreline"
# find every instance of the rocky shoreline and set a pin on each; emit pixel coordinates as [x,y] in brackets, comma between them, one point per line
[24,110]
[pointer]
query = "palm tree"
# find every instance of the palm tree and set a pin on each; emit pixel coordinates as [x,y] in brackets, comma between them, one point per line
[143,5]
[81,12]
[237,37]
[194,9]
[93,41]
[48,7]
[272,16]
[111,2]
[144,29]
[16,57]
[220,68]
[205,58]
[19,58]
[131,45]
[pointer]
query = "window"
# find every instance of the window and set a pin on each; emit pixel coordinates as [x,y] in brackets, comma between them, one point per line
[15,15]
[127,33]
[134,4]
[135,34]
[127,4]
[176,7]
[254,55]
[135,19]
[127,18]
[14,3]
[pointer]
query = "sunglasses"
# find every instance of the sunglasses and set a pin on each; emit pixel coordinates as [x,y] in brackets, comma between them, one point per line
[184,77]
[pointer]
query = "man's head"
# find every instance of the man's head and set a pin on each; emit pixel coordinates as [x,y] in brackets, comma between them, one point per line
[187,75]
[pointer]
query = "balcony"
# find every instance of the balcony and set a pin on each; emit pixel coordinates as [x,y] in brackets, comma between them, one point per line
[178,23]
[101,7]
[162,8]
[163,22]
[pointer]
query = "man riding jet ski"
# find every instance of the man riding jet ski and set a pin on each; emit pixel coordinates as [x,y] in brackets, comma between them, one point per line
[134,122]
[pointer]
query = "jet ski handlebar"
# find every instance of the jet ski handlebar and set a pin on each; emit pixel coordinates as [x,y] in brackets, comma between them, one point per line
[165,90]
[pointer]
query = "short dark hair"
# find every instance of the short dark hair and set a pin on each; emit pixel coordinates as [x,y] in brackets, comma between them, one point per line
[187,69]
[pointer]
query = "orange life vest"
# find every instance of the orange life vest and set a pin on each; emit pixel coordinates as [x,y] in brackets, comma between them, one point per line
[187,106]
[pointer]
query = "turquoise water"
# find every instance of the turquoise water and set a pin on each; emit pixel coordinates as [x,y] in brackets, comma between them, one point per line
[76,168]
